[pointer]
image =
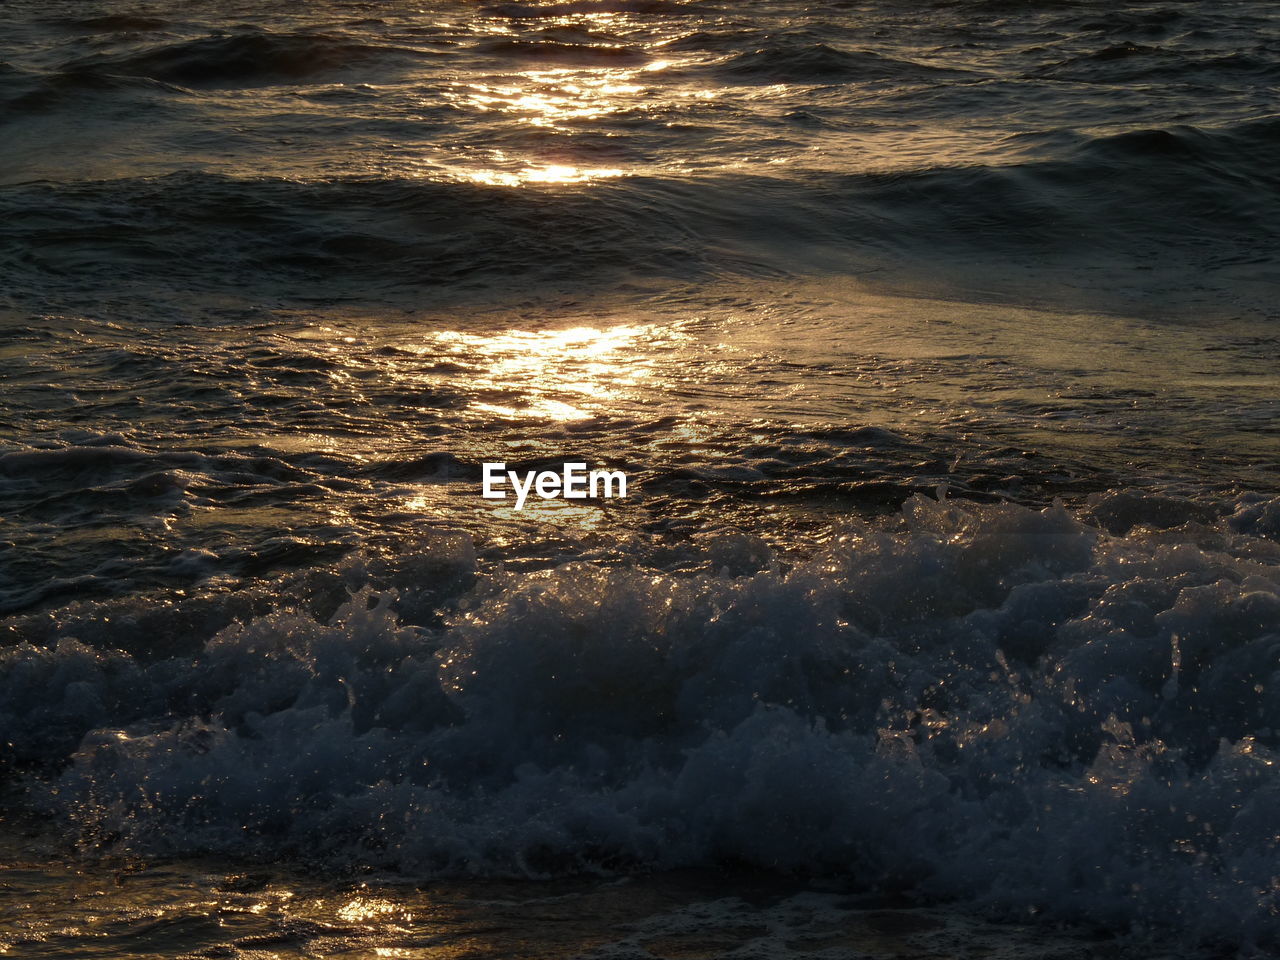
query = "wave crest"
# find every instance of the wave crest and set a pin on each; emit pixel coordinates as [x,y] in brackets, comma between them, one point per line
[987,703]
[244,59]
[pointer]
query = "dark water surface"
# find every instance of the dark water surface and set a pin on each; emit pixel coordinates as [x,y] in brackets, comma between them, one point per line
[939,342]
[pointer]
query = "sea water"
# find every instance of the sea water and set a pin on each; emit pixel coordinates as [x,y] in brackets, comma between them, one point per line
[937,343]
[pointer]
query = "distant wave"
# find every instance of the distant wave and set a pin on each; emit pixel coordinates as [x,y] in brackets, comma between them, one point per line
[110,22]
[1129,62]
[999,705]
[1203,198]
[206,228]
[537,11]
[786,59]
[245,59]
[585,52]
[36,95]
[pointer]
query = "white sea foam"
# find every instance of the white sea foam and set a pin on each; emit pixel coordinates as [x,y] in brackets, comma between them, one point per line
[991,703]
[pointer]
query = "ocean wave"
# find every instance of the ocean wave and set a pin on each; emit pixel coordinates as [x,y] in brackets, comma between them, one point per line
[586,51]
[246,58]
[1000,705]
[1238,151]
[537,11]
[788,59]
[1156,22]
[1130,62]
[38,94]
[149,515]
[310,237]
[111,22]
[1105,203]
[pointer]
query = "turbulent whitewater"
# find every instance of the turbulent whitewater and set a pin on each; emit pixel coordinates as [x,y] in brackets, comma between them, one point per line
[937,342]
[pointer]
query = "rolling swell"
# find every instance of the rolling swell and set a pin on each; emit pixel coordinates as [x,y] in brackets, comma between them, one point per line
[538,11]
[247,58]
[74,86]
[374,235]
[111,22]
[800,60]
[1168,198]
[1133,62]
[587,51]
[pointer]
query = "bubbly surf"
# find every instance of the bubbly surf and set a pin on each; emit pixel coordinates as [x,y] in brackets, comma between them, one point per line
[937,343]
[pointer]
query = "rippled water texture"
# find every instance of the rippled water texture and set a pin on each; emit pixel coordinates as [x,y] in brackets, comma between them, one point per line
[938,340]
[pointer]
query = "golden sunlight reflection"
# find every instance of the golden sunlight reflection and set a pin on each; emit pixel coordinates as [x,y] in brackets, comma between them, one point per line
[555,173]
[558,375]
[550,100]
[438,500]
[163,907]
[364,909]
[528,387]
[557,100]
[583,517]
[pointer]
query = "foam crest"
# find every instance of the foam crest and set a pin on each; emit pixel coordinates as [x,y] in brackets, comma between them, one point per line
[980,702]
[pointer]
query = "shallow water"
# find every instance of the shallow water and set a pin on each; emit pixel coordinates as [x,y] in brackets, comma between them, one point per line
[208,909]
[938,342]
[211,908]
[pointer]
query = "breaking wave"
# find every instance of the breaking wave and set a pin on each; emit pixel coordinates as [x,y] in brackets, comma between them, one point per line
[1010,707]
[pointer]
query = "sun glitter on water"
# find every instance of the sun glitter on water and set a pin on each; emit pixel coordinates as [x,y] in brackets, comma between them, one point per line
[559,375]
